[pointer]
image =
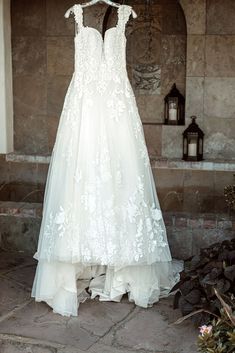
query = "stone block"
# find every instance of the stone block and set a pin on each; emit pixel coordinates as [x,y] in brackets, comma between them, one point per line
[195,13]
[22,347]
[219,98]
[220,17]
[169,184]
[198,191]
[42,170]
[31,134]
[194,99]
[57,24]
[173,18]
[131,336]
[22,172]
[195,180]
[172,141]
[153,137]
[168,219]
[52,127]
[57,88]
[181,222]
[206,237]
[29,95]
[150,108]
[169,178]
[4,169]
[19,234]
[196,55]
[95,319]
[220,52]
[60,55]
[12,295]
[28,56]
[195,222]
[144,46]
[28,20]
[219,140]
[173,62]
[223,179]
[209,224]
[180,243]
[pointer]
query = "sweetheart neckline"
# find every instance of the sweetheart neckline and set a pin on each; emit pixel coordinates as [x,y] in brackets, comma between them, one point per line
[96,30]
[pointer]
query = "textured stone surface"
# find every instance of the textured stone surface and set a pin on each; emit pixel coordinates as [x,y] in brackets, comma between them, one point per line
[153,111]
[180,242]
[43,62]
[219,138]
[195,99]
[29,55]
[31,134]
[195,13]
[172,141]
[169,185]
[153,137]
[219,97]
[60,55]
[57,87]
[195,55]
[29,96]
[12,295]
[131,334]
[29,20]
[220,52]
[100,327]
[220,17]
[19,233]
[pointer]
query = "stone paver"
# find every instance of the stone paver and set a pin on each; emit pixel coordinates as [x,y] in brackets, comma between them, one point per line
[101,327]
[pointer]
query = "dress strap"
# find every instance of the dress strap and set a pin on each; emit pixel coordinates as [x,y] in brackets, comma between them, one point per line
[78,15]
[124,12]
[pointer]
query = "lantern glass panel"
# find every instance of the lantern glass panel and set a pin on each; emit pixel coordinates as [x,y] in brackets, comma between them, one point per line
[173,108]
[192,145]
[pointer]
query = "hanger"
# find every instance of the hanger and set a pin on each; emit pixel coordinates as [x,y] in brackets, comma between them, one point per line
[93,2]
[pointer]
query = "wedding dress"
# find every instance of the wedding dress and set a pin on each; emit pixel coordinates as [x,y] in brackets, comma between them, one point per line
[102,225]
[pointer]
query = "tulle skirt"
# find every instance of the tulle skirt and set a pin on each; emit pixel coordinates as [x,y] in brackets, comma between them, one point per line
[64,286]
[102,221]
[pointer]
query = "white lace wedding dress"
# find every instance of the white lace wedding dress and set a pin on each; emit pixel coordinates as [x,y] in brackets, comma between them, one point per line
[102,226]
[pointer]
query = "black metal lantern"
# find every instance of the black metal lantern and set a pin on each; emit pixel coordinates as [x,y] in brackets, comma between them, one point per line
[193,142]
[174,107]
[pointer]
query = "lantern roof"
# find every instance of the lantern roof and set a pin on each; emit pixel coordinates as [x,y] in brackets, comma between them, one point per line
[193,127]
[174,92]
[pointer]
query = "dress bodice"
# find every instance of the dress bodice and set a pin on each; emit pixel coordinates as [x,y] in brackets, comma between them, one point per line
[99,59]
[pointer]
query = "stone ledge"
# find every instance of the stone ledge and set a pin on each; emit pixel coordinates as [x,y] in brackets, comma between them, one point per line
[208,164]
[187,233]
[21,209]
[156,162]
[26,158]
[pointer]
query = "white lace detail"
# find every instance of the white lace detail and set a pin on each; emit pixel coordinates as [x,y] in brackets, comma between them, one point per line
[107,212]
[101,214]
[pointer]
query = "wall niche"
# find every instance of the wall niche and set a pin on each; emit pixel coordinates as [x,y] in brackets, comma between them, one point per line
[156,53]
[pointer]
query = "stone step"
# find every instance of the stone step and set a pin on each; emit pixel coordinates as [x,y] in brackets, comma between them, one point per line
[187,232]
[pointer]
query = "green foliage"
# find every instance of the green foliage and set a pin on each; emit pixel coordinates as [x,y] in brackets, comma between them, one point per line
[221,338]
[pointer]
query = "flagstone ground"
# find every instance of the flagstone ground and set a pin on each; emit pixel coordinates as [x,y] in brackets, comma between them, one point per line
[100,327]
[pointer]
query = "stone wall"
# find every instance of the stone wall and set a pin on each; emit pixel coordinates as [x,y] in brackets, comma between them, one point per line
[43,62]
[187,234]
[210,84]
[42,41]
